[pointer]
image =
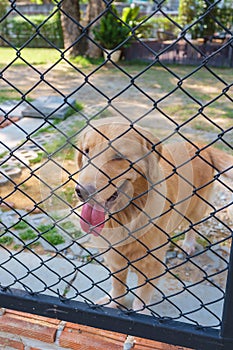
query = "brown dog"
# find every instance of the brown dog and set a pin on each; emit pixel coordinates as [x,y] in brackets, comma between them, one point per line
[136,192]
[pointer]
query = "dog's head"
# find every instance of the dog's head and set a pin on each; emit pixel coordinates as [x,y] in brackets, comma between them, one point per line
[118,166]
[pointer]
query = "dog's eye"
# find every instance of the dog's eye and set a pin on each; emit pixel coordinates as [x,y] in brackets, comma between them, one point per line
[86,151]
[118,157]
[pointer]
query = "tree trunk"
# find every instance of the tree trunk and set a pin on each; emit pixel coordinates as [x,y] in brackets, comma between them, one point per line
[94,9]
[70,21]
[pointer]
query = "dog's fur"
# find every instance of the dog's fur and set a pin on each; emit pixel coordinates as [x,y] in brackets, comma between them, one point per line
[161,187]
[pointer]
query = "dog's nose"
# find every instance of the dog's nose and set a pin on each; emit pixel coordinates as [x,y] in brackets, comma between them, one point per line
[84,192]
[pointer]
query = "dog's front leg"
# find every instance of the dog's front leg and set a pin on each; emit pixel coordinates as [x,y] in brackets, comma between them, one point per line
[115,297]
[148,277]
[143,296]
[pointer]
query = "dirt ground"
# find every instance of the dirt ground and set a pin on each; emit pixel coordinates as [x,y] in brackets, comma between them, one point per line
[33,188]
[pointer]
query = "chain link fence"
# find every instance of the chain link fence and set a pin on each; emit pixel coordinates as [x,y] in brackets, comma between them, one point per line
[115,186]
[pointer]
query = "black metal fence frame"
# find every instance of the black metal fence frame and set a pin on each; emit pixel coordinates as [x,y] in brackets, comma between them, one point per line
[164,330]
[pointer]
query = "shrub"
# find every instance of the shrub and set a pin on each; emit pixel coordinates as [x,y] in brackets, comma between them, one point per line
[3,7]
[201,10]
[164,24]
[111,32]
[38,30]
[140,24]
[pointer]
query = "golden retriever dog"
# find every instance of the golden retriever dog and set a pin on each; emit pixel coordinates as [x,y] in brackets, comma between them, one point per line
[135,192]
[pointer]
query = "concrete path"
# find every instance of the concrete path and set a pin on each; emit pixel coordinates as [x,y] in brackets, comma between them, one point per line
[86,281]
[15,133]
[33,113]
[74,277]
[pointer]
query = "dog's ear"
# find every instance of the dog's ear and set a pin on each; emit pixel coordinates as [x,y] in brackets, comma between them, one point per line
[153,147]
[152,143]
[79,155]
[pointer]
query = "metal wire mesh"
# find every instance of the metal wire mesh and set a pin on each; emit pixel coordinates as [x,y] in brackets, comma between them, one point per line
[44,250]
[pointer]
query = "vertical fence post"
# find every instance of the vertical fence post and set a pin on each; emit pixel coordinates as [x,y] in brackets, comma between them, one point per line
[230,56]
[227,319]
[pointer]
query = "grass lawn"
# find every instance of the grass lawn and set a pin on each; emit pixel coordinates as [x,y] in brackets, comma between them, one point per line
[38,56]
[207,89]
[31,55]
[173,87]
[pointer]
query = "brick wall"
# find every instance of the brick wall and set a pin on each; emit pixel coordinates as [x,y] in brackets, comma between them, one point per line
[23,331]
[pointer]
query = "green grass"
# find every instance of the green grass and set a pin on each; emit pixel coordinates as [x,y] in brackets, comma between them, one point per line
[203,126]
[8,94]
[67,151]
[6,240]
[86,62]
[67,194]
[203,242]
[48,232]
[3,154]
[48,128]
[71,229]
[38,159]
[53,237]
[51,234]
[73,109]
[22,225]
[39,56]
[33,56]
[177,237]
[76,234]
[59,146]
[68,225]
[27,235]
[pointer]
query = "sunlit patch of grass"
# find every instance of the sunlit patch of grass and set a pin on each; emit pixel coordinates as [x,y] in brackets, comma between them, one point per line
[34,56]
[9,94]
[85,62]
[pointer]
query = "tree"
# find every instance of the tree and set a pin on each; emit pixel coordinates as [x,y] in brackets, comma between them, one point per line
[3,10]
[3,7]
[187,11]
[225,14]
[74,42]
[202,11]
[207,25]
[94,9]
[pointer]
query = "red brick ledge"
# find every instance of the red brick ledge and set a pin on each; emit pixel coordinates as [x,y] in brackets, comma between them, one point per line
[23,331]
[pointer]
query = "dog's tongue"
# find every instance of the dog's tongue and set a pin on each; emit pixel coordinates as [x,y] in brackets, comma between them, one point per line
[92,216]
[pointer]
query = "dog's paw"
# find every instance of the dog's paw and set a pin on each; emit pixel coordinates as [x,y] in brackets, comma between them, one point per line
[105,301]
[139,306]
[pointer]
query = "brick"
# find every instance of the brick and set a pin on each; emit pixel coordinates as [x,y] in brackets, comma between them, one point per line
[73,336]
[108,337]
[31,326]
[76,338]
[96,331]
[146,344]
[31,316]
[7,341]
